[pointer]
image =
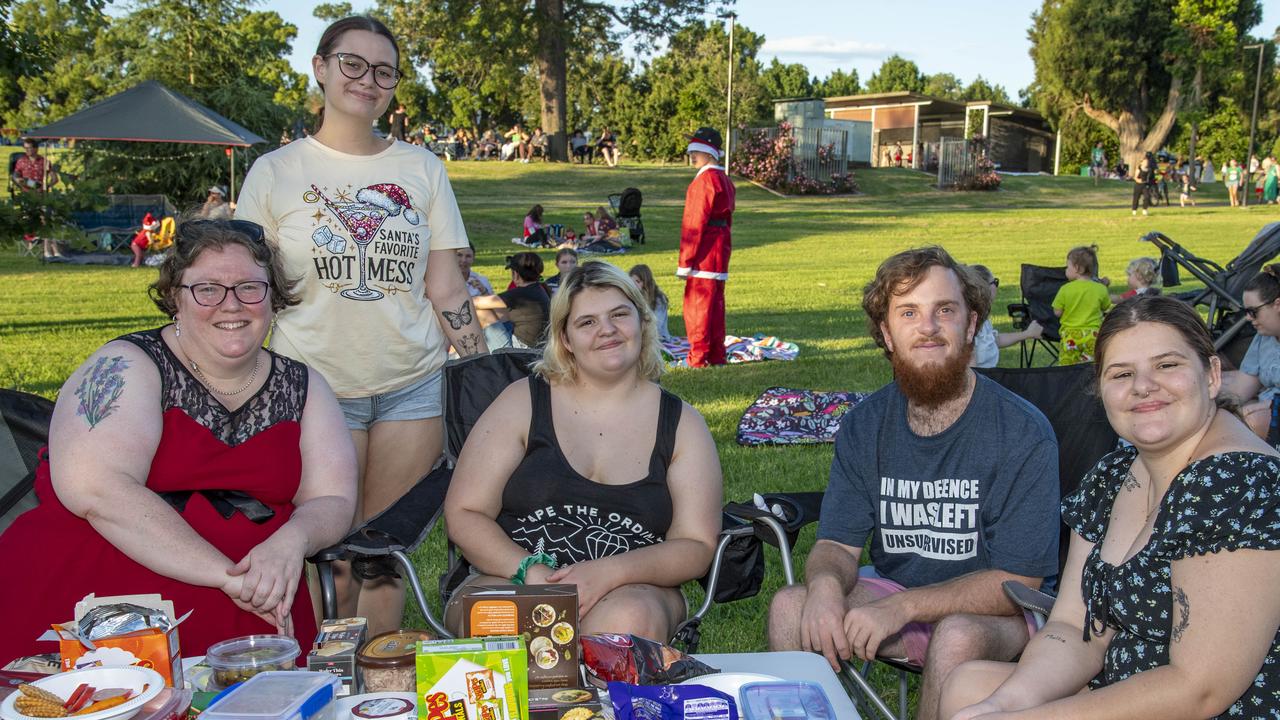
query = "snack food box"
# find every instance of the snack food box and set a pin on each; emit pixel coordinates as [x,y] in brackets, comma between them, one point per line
[335,651]
[565,704]
[157,649]
[547,617]
[473,679]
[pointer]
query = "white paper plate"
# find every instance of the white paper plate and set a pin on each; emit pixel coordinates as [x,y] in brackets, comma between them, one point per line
[63,684]
[729,683]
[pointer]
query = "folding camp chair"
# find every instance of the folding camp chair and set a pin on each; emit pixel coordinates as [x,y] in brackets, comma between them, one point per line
[24,429]
[1223,293]
[1064,394]
[626,208]
[383,543]
[1039,285]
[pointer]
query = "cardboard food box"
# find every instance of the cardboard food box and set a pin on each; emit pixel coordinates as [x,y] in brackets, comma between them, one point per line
[152,648]
[472,679]
[335,652]
[545,615]
[565,704]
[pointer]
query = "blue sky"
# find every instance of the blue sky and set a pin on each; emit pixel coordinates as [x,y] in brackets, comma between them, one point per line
[966,39]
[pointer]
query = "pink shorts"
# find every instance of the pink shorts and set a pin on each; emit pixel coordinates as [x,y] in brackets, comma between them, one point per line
[915,636]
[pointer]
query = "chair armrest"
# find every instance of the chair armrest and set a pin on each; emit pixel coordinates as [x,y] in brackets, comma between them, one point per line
[1027,598]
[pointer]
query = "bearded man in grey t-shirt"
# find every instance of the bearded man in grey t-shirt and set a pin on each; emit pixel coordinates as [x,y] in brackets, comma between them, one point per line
[952,478]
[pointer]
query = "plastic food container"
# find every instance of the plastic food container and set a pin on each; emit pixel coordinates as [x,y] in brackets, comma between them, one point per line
[238,659]
[387,662]
[272,695]
[786,700]
[384,708]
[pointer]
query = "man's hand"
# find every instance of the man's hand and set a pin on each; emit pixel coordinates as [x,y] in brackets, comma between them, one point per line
[867,627]
[820,621]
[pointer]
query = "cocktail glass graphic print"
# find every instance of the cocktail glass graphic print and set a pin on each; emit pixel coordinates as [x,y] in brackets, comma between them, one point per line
[362,218]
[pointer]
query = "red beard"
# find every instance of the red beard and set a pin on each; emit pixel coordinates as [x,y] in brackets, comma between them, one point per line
[933,384]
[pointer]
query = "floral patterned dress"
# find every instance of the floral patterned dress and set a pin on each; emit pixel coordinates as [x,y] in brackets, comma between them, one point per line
[1222,502]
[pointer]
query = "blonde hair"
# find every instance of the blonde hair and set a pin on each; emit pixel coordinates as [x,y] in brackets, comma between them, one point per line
[558,364]
[1143,268]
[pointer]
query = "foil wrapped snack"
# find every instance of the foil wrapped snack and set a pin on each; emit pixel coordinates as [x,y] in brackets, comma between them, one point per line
[118,619]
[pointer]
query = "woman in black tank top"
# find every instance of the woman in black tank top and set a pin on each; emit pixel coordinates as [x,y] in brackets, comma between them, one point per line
[590,466]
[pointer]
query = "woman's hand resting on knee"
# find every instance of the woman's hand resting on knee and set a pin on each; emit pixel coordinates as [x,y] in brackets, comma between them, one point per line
[594,578]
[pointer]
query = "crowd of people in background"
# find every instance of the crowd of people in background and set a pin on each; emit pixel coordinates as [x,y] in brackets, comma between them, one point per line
[515,144]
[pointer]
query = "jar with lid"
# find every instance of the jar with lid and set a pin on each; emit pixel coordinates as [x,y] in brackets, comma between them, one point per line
[387,661]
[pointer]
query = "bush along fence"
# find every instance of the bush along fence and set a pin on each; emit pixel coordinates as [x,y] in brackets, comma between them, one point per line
[965,165]
[795,161]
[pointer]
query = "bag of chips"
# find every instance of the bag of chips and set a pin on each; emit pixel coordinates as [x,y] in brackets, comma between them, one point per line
[635,660]
[670,702]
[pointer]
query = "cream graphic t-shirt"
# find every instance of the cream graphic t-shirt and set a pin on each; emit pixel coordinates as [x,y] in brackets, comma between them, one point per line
[355,230]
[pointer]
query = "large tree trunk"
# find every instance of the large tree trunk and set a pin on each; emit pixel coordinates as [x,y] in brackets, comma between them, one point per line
[551,76]
[1130,125]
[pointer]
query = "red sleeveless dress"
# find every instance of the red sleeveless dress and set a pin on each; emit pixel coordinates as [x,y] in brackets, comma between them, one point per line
[53,558]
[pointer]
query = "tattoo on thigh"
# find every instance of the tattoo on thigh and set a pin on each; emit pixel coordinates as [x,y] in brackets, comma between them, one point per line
[468,344]
[1059,638]
[100,388]
[1130,481]
[1182,607]
[461,318]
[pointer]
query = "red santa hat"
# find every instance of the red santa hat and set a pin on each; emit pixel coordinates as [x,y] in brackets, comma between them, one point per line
[389,197]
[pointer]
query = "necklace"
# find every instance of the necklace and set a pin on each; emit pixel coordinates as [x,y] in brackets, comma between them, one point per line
[257,363]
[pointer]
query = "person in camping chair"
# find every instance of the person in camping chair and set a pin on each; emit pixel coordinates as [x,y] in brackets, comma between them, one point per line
[954,479]
[704,249]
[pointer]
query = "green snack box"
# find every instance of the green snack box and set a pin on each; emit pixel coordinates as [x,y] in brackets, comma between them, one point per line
[473,679]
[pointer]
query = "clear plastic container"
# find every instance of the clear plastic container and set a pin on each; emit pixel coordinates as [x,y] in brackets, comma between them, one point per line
[239,659]
[786,700]
[284,695]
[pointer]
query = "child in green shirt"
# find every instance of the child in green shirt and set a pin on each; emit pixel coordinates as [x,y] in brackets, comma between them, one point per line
[1079,306]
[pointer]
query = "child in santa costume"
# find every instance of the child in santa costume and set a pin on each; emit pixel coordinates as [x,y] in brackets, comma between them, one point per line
[704,249]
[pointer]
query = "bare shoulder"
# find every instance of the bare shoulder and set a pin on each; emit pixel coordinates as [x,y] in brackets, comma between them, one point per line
[107,372]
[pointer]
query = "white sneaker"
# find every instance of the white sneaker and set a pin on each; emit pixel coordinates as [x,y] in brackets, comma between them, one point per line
[1144,212]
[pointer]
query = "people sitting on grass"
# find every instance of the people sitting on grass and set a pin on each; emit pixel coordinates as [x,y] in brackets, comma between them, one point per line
[517,146]
[1079,305]
[1141,275]
[538,143]
[143,238]
[1257,381]
[593,436]
[1167,605]
[952,477]
[987,343]
[535,234]
[642,276]
[215,205]
[566,260]
[527,301]
[188,461]
[487,147]
[491,311]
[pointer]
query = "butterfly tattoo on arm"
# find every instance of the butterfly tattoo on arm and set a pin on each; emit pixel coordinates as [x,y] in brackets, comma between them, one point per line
[461,318]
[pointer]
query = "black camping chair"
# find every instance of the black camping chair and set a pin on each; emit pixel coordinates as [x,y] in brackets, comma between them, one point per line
[1223,293]
[1039,285]
[381,546]
[1064,394]
[24,429]
[626,208]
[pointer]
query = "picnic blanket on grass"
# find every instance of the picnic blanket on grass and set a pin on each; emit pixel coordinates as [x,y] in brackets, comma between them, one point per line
[785,416]
[675,349]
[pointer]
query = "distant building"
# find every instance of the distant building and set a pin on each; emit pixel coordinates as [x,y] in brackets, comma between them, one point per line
[1020,140]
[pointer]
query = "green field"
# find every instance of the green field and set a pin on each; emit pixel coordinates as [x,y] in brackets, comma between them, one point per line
[797,269]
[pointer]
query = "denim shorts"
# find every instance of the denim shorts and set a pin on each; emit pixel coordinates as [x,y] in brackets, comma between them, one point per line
[417,401]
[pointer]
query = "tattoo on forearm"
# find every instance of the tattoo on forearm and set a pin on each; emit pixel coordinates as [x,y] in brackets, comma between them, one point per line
[1130,481]
[1182,609]
[468,344]
[100,388]
[1059,638]
[461,318]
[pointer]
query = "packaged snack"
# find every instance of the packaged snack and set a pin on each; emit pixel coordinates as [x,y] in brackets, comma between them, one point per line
[633,659]
[238,659]
[387,661]
[547,617]
[381,706]
[335,652]
[123,630]
[473,678]
[670,702]
[565,704]
[787,700]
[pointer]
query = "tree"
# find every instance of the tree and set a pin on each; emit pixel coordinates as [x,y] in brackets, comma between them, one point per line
[896,74]
[1129,64]
[43,54]
[943,85]
[838,84]
[786,81]
[980,89]
[479,44]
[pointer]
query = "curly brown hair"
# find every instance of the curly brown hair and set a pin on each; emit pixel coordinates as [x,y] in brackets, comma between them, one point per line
[901,273]
[194,235]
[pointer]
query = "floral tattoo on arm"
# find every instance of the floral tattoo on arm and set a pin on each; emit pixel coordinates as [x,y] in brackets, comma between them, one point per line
[101,387]
[1183,608]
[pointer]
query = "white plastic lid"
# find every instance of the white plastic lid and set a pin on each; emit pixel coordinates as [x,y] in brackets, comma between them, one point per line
[277,695]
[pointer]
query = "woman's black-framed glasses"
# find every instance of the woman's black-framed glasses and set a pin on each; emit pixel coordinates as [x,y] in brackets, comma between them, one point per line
[212,294]
[355,67]
[1252,312]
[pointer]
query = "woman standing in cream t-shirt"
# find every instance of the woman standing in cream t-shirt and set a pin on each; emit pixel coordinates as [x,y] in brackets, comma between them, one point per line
[369,227]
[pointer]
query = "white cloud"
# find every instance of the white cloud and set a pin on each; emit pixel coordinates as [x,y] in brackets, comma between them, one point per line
[822,46]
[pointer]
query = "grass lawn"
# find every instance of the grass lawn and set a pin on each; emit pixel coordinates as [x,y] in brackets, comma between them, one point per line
[797,269]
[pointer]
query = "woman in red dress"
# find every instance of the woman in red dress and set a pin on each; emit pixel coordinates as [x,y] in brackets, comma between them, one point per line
[188,461]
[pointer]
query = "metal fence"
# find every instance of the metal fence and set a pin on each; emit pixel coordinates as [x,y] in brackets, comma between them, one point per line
[956,162]
[819,152]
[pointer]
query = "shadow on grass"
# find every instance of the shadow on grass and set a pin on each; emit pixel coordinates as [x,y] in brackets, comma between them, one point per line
[126,323]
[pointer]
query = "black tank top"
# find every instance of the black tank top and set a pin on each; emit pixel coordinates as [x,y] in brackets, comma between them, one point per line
[548,507]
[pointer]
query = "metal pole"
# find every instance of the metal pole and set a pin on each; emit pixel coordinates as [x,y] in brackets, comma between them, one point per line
[1253,128]
[728,136]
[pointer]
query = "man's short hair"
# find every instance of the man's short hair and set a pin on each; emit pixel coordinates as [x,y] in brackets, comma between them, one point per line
[901,273]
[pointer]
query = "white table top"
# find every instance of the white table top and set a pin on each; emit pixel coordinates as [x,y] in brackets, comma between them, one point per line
[791,665]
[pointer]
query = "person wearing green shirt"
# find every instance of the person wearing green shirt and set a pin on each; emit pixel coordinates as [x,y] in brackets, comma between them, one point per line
[1079,306]
[1231,176]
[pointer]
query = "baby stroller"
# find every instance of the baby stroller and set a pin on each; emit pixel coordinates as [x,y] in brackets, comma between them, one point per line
[1223,293]
[626,208]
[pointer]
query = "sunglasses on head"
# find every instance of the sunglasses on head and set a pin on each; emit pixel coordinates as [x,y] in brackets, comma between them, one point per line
[251,230]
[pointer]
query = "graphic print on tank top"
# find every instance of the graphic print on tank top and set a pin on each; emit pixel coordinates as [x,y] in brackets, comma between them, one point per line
[574,532]
[385,254]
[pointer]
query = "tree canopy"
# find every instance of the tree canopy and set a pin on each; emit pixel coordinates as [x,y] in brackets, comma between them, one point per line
[896,74]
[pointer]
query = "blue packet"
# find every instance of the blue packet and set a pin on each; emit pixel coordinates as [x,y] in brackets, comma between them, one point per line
[670,702]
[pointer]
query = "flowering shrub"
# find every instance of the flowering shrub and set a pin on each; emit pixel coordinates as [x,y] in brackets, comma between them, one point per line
[770,159]
[985,177]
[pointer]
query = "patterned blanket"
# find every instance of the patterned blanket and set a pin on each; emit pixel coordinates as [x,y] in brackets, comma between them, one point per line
[675,350]
[784,416]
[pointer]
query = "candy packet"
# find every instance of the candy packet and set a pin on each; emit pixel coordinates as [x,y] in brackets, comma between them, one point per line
[670,702]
